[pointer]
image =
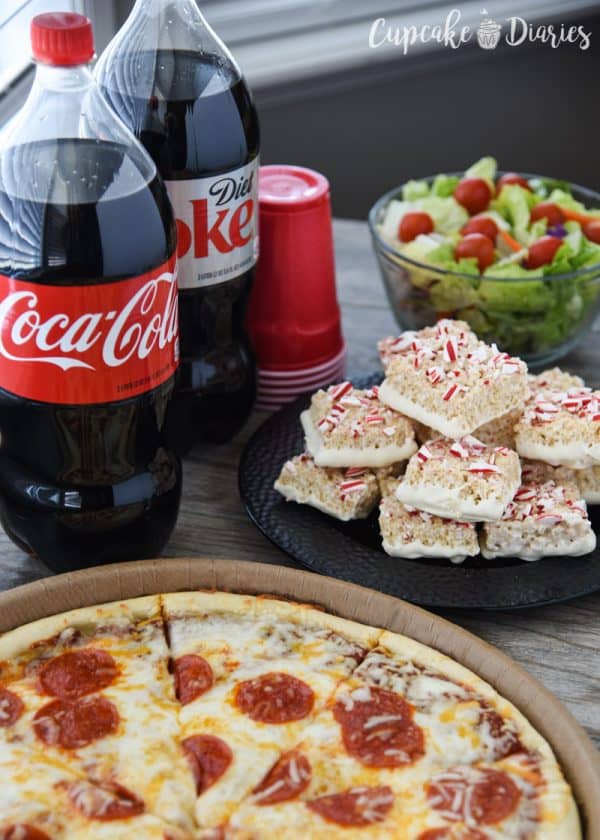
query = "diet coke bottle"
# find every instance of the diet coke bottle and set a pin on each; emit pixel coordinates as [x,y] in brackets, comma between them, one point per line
[88,321]
[177,87]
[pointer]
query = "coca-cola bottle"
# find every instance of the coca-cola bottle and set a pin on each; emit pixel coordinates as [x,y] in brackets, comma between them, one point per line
[177,87]
[88,321]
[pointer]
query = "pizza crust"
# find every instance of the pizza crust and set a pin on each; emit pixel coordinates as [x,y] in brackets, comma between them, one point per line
[559,811]
[16,641]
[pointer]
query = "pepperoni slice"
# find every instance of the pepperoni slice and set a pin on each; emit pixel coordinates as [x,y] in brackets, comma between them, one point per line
[110,801]
[22,831]
[356,807]
[286,780]
[11,708]
[71,724]
[275,697]
[193,676]
[77,673]
[481,796]
[209,758]
[377,728]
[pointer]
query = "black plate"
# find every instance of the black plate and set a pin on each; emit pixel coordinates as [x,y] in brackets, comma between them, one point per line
[352,550]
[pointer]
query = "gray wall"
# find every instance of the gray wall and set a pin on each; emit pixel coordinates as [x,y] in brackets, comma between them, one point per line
[536,109]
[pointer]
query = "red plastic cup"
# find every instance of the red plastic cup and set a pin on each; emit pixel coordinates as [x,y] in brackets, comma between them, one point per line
[293,316]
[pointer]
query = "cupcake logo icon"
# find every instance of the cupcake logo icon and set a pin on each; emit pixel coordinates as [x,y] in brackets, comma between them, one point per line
[488,33]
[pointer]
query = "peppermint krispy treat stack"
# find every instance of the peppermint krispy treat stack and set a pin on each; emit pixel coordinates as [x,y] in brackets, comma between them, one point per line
[392,346]
[451,381]
[463,480]
[587,481]
[347,427]
[342,493]
[543,520]
[561,428]
[358,443]
[411,533]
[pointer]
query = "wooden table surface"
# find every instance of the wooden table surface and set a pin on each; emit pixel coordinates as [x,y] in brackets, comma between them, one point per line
[560,645]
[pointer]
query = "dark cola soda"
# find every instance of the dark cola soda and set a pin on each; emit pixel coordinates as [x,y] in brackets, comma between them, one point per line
[88,334]
[194,114]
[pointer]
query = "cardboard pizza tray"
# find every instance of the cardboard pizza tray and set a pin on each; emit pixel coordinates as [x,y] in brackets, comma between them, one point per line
[576,753]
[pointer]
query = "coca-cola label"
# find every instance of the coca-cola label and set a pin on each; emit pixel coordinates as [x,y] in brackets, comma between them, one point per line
[217,226]
[76,345]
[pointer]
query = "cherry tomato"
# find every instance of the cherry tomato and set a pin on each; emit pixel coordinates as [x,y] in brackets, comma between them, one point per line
[548,210]
[542,252]
[481,224]
[413,224]
[474,194]
[476,245]
[592,230]
[511,178]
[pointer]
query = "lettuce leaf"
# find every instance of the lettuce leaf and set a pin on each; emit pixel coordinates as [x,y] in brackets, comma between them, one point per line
[520,296]
[565,200]
[485,168]
[513,204]
[444,185]
[542,187]
[447,214]
[452,293]
[512,271]
[413,190]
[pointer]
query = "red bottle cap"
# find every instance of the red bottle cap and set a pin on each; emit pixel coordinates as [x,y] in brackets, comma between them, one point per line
[63,39]
[289,188]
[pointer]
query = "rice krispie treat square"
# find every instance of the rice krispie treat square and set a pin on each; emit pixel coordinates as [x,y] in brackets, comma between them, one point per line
[348,427]
[464,480]
[543,520]
[561,428]
[393,471]
[500,432]
[587,481]
[392,345]
[408,532]
[342,493]
[453,383]
[554,379]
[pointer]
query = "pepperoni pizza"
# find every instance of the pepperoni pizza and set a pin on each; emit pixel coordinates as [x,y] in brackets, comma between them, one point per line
[211,716]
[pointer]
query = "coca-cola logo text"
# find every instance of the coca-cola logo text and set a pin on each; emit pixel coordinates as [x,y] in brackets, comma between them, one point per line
[85,332]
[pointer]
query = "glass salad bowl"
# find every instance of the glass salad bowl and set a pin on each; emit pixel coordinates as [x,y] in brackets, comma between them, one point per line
[539,319]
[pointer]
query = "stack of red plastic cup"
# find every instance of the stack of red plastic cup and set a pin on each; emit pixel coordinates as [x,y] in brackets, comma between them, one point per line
[294,317]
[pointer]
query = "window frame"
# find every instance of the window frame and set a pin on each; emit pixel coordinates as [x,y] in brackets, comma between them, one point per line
[15,92]
[277,42]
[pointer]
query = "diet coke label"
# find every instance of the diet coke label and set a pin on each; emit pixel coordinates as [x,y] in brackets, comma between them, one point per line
[217,226]
[76,345]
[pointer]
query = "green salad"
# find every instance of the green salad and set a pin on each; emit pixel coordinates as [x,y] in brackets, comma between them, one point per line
[505,241]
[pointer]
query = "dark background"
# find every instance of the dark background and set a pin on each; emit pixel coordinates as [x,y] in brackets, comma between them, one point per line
[534,108]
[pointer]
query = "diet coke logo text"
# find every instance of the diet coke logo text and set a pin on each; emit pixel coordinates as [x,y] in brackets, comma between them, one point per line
[216,226]
[88,344]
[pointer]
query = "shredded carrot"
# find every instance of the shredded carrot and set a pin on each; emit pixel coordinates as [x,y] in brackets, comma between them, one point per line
[510,241]
[576,216]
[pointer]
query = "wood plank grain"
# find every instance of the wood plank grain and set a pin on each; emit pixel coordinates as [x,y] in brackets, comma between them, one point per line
[559,644]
